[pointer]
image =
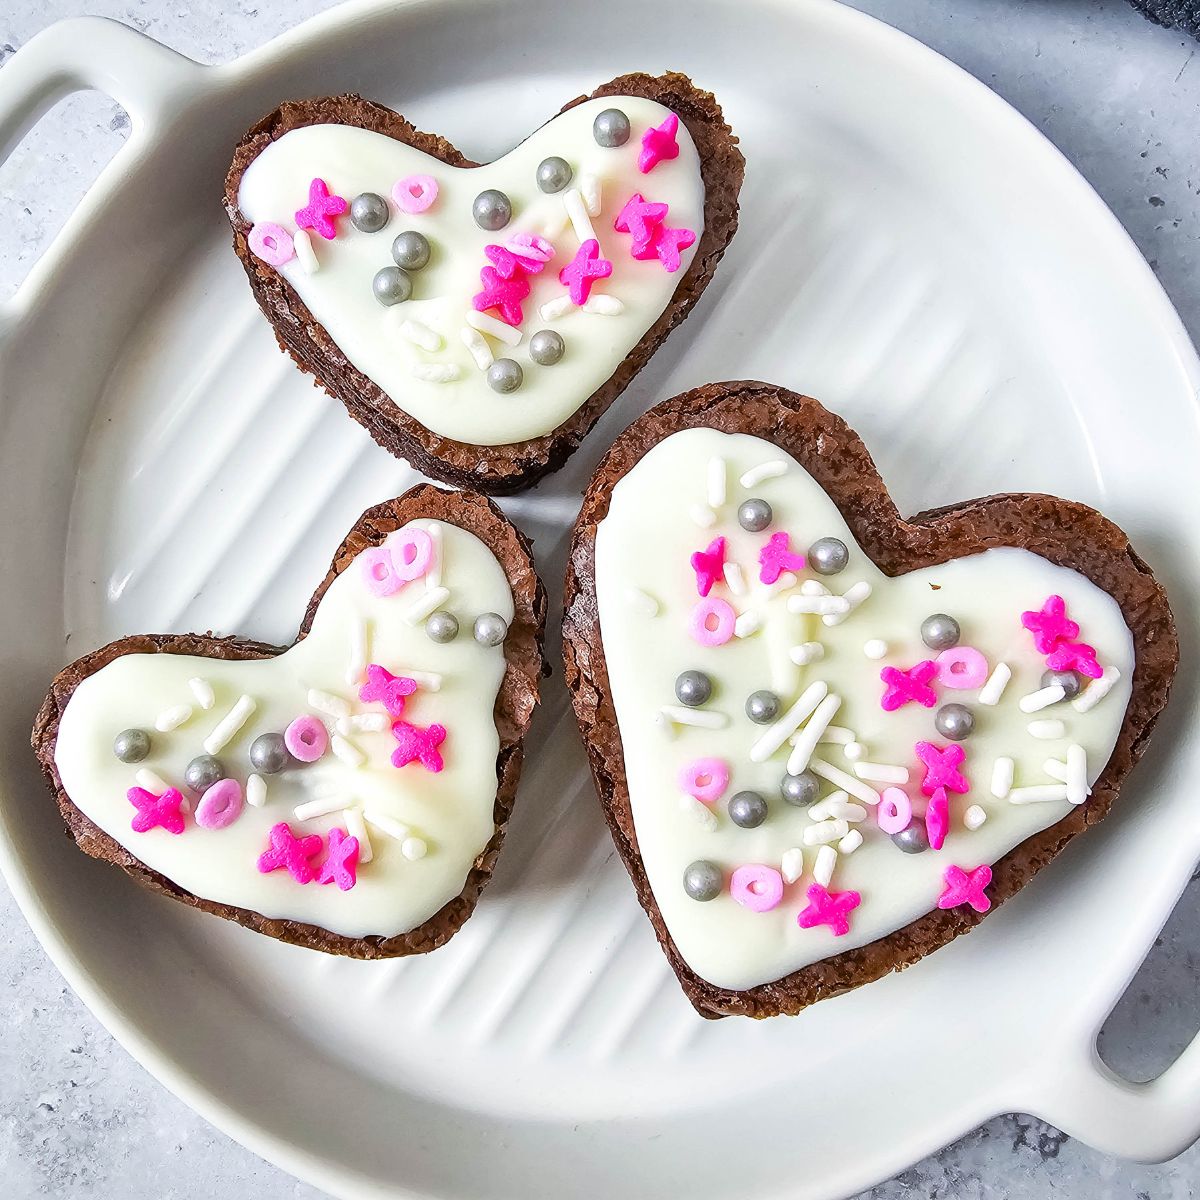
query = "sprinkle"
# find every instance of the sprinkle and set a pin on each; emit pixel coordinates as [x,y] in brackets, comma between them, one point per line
[702,718]
[558,307]
[735,579]
[775,735]
[1077,784]
[716,481]
[1042,698]
[974,817]
[601,305]
[342,725]
[577,214]
[824,832]
[433,573]
[814,587]
[1046,731]
[997,681]
[850,842]
[853,596]
[792,866]
[1056,768]
[147,779]
[228,726]
[172,718]
[1002,777]
[321,807]
[420,608]
[703,515]
[357,662]
[1037,795]
[854,751]
[700,813]
[326,702]
[856,788]
[806,742]
[347,751]
[589,189]
[881,772]
[839,734]
[371,722]
[420,335]
[256,791]
[431,681]
[305,253]
[385,824]
[356,827]
[480,351]
[641,602]
[764,471]
[413,848]
[820,605]
[1096,690]
[749,622]
[823,810]
[435,372]
[203,692]
[847,810]
[823,867]
[524,246]
[785,582]
[875,649]
[806,652]
[493,327]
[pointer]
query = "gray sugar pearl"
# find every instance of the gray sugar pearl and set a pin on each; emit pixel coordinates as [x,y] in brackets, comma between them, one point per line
[441,626]
[611,128]
[410,250]
[754,515]
[954,721]
[762,707]
[131,745]
[1069,681]
[801,789]
[490,629]
[546,347]
[505,375]
[940,632]
[553,174]
[693,688]
[391,286]
[492,210]
[748,810]
[369,212]
[702,880]
[269,753]
[913,839]
[828,555]
[202,772]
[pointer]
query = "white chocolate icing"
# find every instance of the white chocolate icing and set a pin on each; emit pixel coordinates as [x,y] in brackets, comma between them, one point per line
[339,295]
[643,546]
[450,811]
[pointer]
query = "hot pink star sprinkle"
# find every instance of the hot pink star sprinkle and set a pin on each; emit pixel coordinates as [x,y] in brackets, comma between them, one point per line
[1050,625]
[966,887]
[937,819]
[388,689]
[583,270]
[508,264]
[667,245]
[417,744]
[1075,656]
[504,295]
[659,144]
[290,853]
[775,558]
[828,908]
[709,565]
[941,768]
[156,811]
[341,863]
[902,686]
[320,210]
[640,218]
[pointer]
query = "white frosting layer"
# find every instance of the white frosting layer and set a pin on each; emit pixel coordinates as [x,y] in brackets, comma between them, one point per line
[339,295]
[643,548]
[451,811]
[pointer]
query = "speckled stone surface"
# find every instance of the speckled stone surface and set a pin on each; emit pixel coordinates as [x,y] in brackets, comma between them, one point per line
[80,1119]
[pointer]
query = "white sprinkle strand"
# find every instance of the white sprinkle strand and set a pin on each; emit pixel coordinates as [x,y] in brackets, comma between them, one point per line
[642,602]
[875,649]
[385,824]
[814,587]
[426,603]
[589,189]
[824,832]
[601,305]
[997,681]
[820,605]
[856,788]
[558,307]
[838,734]
[356,663]
[764,471]
[342,725]
[356,827]
[527,250]
[306,256]
[716,481]
[734,578]
[371,722]
[775,735]
[974,817]
[804,744]
[823,867]
[479,350]
[1077,784]
[1041,794]
[431,681]
[1046,731]
[494,327]
[806,652]
[577,214]
[881,773]
[435,372]
[792,866]
[854,751]
[347,751]
[702,515]
[850,842]
[1002,777]
[256,791]
[320,807]
[145,778]
[826,809]
[229,725]
[203,692]
[328,703]
[700,813]
[749,622]
[1056,768]
[1042,698]
[414,848]
[853,596]
[420,335]
[1096,690]
[701,718]
[784,583]
[173,717]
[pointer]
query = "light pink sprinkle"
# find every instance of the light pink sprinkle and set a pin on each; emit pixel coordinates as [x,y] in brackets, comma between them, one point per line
[306,739]
[894,812]
[272,243]
[712,622]
[415,193]
[705,778]
[962,667]
[757,887]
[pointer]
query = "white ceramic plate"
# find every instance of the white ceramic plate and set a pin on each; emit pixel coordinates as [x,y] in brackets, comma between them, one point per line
[913,253]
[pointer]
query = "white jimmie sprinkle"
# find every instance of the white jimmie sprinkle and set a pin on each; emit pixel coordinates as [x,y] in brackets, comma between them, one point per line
[173,717]
[749,622]
[806,652]
[203,692]
[1096,690]
[792,866]
[1046,731]
[328,703]
[1042,698]
[426,603]
[356,827]
[778,733]
[702,515]
[420,335]
[1077,784]
[435,372]
[875,649]
[997,681]
[559,306]
[642,602]
[701,718]
[1041,794]
[974,817]
[881,772]
[479,350]
[1002,777]
[256,791]
[856,787]
[227,728]
[306,256]
[347,751]
[771,469]
[700,813]
[806,741]
[494,327]
[823,867]
[853,596]
[601,305]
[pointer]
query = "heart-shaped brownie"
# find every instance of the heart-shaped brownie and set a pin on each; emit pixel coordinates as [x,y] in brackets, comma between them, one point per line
[477,320]
[349,793]
[827,740]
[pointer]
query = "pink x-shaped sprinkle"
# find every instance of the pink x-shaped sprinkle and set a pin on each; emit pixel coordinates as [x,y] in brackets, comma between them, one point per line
[901,686]
[418,744]
[941,768]
[966,887]
[668,242]
[320,210]
[937,818]
[659,144]
[775,558]
[583,270]
[1075,656]
[640,218]
[161,811]
[341,863]
[388,689]
[504,295]
[828,908]
[508,265]
[709,565]
[1050,624]
[287,852]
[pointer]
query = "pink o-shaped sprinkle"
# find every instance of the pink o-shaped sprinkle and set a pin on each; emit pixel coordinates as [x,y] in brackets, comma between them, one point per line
[756,887]
[415,193]
[894,812]
[380,571]
[306,738]
[962,667]
[272,243]
[220,805]
[705,778]
[412,554]
[711,622]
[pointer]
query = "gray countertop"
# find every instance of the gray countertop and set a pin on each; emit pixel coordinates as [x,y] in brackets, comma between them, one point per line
[1121,98]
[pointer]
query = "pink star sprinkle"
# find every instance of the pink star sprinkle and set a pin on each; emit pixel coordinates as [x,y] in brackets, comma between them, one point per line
[390,690]
[583,270]
[966,887]
[320,210]
[417,744]
[341,862]
[913,684]
[287,852]
[504,295]
[709,565]
[659,144]
[1075,656]
[156,811]
[640,218]
[1050,625]
[941,768]
[775,558]
[937,819]
[508,264]
[828,908]
[669,243]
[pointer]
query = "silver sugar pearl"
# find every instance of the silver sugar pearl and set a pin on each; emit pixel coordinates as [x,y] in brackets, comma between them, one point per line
[801,790]
[505,375]
[202,772]
[693,688]
[410,250]
[369,212]
[954,721]
[553,174]
[441,626]
[546,347]
[702,880]
[762,707]
[131,745]
[391,285]
[940,632]
[754,515]
[1069,681]
[492,210]
[490,629]
[269,753]
[913,839]
[747,810]
[611,128]
[828,556]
